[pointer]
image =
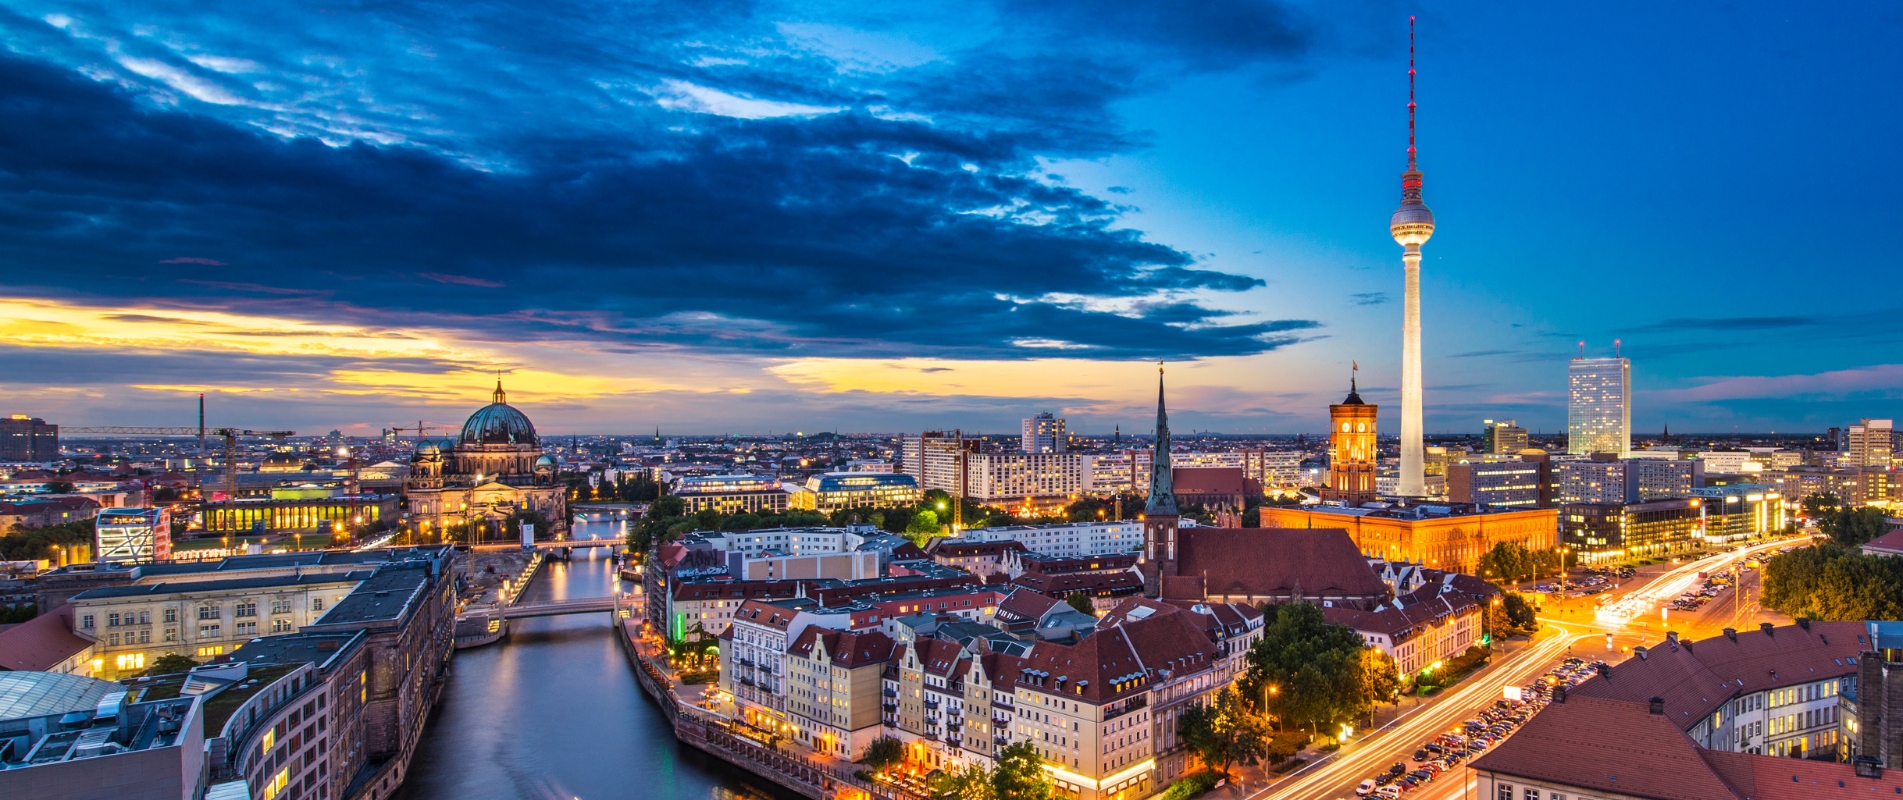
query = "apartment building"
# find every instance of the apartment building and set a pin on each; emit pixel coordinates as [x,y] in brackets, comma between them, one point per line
[1438,626]
[133,625]
[833,681]
[1067,539]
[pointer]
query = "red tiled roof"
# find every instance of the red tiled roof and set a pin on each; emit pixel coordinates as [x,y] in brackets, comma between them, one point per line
[1891,542]
[1609,746]
[1089,582]
[1696,680]
[1118,660]
[41,643]
[1400,624]
[766,614]
[1771,778]
[1322,562]
[1024,605]
[1207,480]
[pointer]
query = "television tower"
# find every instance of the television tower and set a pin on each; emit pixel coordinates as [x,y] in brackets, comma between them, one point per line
[1411,225]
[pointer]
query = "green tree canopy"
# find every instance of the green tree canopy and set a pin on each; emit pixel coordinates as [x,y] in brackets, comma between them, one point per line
[1852,527]
[1829,582]
[1226,731]
[1081,602]
[1307,671]
[884,752]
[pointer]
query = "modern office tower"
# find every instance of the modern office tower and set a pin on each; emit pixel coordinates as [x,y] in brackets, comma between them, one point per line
[1599,406]
[1043,433]
[24,438]
[1352,453]
[1411,225]
[1660,479]
[1505,437]
[1868,443]
[1506,483]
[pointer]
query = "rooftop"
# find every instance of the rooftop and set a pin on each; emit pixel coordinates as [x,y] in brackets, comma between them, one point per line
[187,587]
[35,694]
[384,596]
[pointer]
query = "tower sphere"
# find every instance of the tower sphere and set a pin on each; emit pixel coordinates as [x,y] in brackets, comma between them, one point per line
[1412,223]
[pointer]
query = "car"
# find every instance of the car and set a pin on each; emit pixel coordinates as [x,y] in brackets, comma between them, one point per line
[1435,748]
[1366,788]
[1397,769]
[1388,793]
[1420,755]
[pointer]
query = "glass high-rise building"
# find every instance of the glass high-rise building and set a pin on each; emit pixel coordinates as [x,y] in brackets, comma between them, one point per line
[1599,406]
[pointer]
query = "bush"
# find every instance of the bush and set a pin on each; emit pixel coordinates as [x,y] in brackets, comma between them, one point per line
[1290,764]
[697,678]
[1192,785]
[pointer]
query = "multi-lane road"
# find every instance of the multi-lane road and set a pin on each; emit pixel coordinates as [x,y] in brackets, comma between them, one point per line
[1631,616]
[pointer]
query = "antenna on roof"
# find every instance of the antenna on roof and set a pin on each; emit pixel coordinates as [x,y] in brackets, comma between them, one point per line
[1582,351]
[1410,92]
[1615,348]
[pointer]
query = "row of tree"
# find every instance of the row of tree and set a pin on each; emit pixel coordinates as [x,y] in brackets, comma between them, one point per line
[27,544]
[1831,582]
[1512,562]
[1846,526]
[667,519]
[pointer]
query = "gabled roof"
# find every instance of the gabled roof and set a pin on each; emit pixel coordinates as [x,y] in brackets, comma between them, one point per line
[1025,605]
[1264,562]
[1889,543]
[764,614]
[1609,746]
[1695,680]
[1062,585]
[42,642]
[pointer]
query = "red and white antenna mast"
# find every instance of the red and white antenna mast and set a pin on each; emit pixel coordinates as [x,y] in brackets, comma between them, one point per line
[1410,92]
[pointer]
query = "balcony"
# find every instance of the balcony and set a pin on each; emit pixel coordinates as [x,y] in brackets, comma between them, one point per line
[931,703]
[889,692]
[1000,719]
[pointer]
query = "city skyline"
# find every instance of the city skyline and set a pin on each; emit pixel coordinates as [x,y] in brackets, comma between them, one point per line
[356,225]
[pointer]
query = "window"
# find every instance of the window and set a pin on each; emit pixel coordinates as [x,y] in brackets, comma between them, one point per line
[208,612]
[112,621]
[171,634]
[145,618]
[171,615]
[112,640]
[131,661]
[317,604]
[277,784]
[209,632]
[280,606]
[245,610]
[145,637]
[86,621]
[211,650]
[1532,794]
[247,629]
[280,625]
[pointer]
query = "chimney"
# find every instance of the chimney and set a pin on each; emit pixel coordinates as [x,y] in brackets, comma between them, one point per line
[1671,636]
[1803,622]
[1688,645]
[1768,628]
[1732,634]
[1657,706]
[1605,671]
[1639,651]
[1559,694]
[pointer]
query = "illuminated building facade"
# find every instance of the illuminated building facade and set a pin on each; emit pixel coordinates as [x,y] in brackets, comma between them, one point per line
[1352,450]
[24,438]
[493,471]
[139,535]
[731,494]
[1598,531]
[1043,433]
[1505,437]
[1599,406]
[1869,443]
[833,491]
[1034,481]
[1740,511]
[1442,536]
[288,511]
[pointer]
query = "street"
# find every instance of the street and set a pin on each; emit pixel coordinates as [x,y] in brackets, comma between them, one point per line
[1576,628]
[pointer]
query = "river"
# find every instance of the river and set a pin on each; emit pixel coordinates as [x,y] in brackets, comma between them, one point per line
[553,712]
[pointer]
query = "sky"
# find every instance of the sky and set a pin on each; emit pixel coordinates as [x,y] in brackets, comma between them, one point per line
[761,217]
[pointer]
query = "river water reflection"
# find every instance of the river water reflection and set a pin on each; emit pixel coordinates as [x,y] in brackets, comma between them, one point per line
[554,712]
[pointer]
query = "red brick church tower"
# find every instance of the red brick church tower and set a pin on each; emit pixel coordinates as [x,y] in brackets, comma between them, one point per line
[1160,516]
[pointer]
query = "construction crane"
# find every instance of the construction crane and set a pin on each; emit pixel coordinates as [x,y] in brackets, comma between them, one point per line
[422,430]
[230,435]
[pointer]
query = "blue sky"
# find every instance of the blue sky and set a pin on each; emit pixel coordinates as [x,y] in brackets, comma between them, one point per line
[763,216]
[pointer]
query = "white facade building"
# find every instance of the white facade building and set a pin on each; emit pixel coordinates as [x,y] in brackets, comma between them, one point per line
[1068,539]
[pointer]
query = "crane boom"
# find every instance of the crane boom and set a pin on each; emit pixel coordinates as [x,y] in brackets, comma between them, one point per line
[230,435]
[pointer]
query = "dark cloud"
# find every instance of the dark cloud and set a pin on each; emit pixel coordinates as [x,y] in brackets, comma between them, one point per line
[796,235]
[1483,353]
[1369,298]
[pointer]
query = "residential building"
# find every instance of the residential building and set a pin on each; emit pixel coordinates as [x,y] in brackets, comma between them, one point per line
[1437,627]
[139,535]
[771,566]
[1442,536]
[1353,450]
[1869,443]
[1603,531]
[40,512]
[302,730]
[1872,720]
[1107,474]
[1105,589]
[1504,437]
[1590,480]
[24,438]
[1728,462]
[1599,406]
[133,625]
[833,687]
[1019,563]
[1068,539]
[1278,468]
[1028,481]
[1770,691]
[1044,433]
[932,458]
[979,558]
[834,491]
[1660,479]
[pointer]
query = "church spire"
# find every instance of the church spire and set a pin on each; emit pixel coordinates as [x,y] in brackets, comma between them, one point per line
[1162,495]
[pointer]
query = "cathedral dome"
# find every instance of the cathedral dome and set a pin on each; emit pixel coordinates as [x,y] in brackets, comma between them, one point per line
[499,423]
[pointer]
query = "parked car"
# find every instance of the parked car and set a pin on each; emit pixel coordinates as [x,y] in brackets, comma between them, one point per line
[1366,788]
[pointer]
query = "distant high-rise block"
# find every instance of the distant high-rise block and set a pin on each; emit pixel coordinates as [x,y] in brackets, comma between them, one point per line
[1505,437]
[24,438]
[1868,443]
[1043,433]
[1599,406]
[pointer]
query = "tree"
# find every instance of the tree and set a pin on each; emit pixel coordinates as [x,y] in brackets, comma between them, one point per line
[1081,602]
[1519,613]
[884,752]
[1225,732]
[168,664]
[1307,671]
[1020,774]
[1852,527]
[1380,676]
[1833,583]
[1817,505]
[966,783]
[922,527]
[1507,562]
